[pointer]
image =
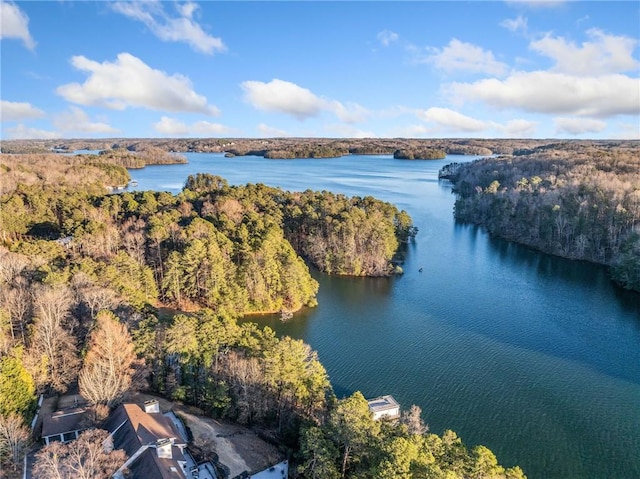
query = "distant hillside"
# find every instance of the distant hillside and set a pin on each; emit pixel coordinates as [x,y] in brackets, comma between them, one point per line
[297,147]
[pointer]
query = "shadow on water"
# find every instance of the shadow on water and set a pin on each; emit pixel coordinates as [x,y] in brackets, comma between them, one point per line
[574,273]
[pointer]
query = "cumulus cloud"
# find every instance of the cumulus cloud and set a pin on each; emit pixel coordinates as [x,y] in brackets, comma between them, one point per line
[518,128]
[578,126]
[18,111]
[387,37]
[349,113]
[129,82]
[172,127]
[22,132]
[286,97]
[518,24]
[348,131]
[462,56]
[271,132]
[557,93]
[182,28]
[413,131]
[453,121]
[77,121]
[601,55]
[283,97]
[15,24]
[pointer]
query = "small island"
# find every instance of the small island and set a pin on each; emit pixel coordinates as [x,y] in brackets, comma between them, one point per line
[420,154]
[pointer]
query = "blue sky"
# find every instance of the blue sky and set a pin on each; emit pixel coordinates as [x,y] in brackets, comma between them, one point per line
[512,69]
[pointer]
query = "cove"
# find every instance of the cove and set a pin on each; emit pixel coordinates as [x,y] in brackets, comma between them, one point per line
[536,357]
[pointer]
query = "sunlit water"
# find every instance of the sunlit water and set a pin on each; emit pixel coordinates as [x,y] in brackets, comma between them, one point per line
[536,357]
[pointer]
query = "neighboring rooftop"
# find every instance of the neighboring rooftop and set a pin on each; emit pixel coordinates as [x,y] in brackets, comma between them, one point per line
[63,418]
[383,403]
[151,441]
[384,406]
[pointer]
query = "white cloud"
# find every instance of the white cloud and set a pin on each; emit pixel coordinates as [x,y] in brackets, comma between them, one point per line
[15,24]
[349,113]
[129,82]
[452,121]
[548,92]
[208,128]
[348,131]
[21,132]
[412,131]
[518,24]
[77,121]
[18,111]
[387,37]
[462,56]
[285,97]
[603,54]
[271,132]
[172,127]
[171,29]
[519,128]
[578,126]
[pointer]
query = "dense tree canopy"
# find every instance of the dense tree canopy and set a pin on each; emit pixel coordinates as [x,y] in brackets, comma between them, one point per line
[579,202]
[82,273]
[350,444]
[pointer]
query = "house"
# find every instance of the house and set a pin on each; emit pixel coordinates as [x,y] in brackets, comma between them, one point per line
[64,426]
[153,443]
[70,417]
[384,407]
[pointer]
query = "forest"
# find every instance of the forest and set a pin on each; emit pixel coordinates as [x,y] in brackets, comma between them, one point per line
[577,201]
[289,148]
[85,274]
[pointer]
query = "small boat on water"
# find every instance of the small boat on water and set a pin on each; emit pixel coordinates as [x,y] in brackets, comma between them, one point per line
[285,315]
[133,183]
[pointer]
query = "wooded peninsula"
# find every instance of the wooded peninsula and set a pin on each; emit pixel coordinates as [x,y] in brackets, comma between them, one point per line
[574,200]
[84,272]
[83,265]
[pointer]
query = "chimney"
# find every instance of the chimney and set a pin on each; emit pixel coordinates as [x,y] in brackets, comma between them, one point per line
[163,448]
[152,406]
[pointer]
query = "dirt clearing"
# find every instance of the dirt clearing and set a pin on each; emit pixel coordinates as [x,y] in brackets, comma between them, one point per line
[237,447]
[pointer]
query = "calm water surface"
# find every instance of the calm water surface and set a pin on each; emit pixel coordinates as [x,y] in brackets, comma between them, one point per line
[536,357]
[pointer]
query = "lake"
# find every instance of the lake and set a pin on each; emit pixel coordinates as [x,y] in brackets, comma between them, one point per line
[536,357]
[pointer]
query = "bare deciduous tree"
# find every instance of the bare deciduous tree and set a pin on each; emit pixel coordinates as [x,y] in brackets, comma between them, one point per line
[14,439]
[11,265]
[413,420]
[133,239]
[91,456]
[110,367]
[16,300]
[97,298]
[52,354]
